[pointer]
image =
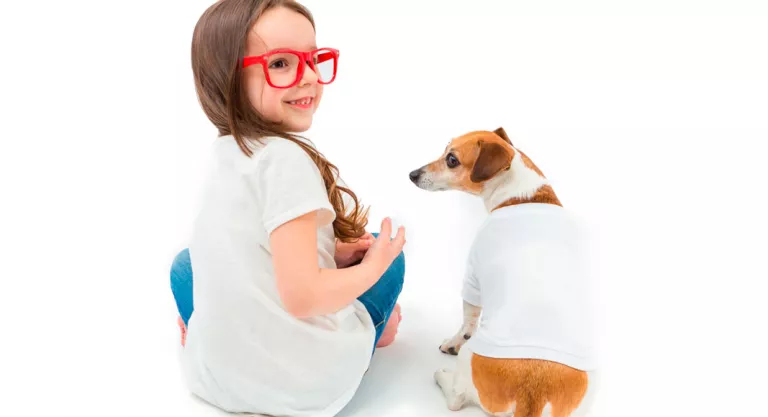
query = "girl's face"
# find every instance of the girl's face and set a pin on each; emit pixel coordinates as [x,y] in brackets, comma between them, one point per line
[292,107]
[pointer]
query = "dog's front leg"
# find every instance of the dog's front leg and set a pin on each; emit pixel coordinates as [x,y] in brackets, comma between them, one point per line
[467,330]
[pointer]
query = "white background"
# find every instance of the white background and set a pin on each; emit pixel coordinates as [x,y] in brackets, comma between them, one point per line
[650,118]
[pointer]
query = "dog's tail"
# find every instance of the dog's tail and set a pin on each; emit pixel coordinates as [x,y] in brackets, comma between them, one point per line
[534,406]
[529,405]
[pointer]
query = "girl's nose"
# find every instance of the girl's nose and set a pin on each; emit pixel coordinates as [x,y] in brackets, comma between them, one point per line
[309,74]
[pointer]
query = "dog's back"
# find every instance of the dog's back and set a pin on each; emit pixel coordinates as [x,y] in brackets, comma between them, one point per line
[526,270]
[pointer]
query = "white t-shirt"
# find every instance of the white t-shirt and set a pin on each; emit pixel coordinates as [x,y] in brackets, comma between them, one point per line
[527,272]
[244,352]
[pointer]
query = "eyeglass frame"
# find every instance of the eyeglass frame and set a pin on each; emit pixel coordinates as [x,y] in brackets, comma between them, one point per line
[305,57]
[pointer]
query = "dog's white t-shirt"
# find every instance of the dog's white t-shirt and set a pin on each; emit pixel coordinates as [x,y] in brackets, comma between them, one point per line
[244,352]
[527,271]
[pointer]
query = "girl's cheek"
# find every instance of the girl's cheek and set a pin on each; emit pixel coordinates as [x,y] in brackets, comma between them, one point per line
[318,98]
[271,105]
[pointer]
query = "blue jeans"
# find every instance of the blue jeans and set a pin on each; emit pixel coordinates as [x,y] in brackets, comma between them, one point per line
[379,300]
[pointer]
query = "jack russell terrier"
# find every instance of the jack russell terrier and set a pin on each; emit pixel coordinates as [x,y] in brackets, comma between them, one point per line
[531,352]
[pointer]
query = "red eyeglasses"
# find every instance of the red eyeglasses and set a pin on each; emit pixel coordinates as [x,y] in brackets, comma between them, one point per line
[285,67]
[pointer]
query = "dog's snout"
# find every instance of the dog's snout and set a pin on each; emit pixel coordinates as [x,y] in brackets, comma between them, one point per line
[415,174]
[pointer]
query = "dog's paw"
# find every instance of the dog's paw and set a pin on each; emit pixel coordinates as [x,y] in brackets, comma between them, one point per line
[449,350]
[440,372]
[441,376]
[452,346]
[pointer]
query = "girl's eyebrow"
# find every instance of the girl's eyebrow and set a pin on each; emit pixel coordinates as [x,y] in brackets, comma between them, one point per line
[311,48]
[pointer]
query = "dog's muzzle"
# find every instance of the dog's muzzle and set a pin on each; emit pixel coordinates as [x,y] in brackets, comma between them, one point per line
[415,174]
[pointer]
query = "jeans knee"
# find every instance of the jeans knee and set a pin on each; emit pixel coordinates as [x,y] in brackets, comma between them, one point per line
[181,284]
[181,266]
[397,270]
[400,261]
[182,257]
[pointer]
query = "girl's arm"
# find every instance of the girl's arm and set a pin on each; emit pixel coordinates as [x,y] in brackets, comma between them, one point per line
[308,290]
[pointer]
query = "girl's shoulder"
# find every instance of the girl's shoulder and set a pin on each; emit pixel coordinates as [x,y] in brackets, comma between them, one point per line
[275,145]
[266,152]
[284,161]
[282,151]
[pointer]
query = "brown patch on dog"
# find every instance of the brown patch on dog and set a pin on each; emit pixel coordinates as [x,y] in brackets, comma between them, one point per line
[528,163]
[492,159]
[528,384]
[502,134]
[545,194]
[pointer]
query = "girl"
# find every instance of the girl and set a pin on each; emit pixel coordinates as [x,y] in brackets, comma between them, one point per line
[290,293]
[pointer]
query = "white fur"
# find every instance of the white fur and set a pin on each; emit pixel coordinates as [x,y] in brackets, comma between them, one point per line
[517,182]
[467,329]
[435,181]
[457,385]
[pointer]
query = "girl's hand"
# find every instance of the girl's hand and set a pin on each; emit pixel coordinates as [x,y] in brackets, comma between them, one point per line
[385,249]
[349,253]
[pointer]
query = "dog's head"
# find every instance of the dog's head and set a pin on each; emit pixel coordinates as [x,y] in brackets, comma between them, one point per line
[467,163]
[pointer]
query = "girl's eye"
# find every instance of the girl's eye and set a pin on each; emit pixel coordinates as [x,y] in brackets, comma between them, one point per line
[451,161]
[278,64]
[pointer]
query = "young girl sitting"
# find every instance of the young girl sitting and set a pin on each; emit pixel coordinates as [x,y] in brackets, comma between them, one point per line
[291,295]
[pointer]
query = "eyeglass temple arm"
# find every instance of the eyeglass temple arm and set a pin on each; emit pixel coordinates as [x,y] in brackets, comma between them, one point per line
[327,56]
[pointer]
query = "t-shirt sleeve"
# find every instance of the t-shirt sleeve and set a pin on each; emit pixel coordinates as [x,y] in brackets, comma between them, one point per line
[289,185]
[471,288]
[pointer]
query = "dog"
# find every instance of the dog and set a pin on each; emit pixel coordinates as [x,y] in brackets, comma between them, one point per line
[525,346]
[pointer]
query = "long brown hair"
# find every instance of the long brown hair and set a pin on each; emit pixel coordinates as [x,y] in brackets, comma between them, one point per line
[218,46]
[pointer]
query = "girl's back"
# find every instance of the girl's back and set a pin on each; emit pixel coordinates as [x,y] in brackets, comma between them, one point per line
[243,350]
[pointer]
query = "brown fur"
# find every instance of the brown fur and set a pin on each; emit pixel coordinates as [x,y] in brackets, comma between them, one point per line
[491,159]
[527,161]
[503,134]
[528,384]
[544,194]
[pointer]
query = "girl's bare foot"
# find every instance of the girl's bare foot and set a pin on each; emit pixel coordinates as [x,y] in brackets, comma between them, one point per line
[390,330]
[183,329]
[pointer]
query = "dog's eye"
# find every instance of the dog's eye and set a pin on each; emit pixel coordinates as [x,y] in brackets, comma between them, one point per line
[451,160]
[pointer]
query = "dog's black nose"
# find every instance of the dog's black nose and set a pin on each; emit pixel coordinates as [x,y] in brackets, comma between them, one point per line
[414,175]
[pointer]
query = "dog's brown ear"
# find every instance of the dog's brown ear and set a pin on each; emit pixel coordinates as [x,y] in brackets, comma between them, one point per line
[493,158]
[500,131]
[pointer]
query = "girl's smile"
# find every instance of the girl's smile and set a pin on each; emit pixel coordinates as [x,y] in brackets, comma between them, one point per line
[304,103]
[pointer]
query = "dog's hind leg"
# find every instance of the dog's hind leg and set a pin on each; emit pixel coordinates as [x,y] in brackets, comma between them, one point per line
[457,385]
[445,378]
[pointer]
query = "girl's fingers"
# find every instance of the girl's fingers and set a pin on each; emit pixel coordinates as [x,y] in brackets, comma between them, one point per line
[399,240]
[368,239]
[386,229]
